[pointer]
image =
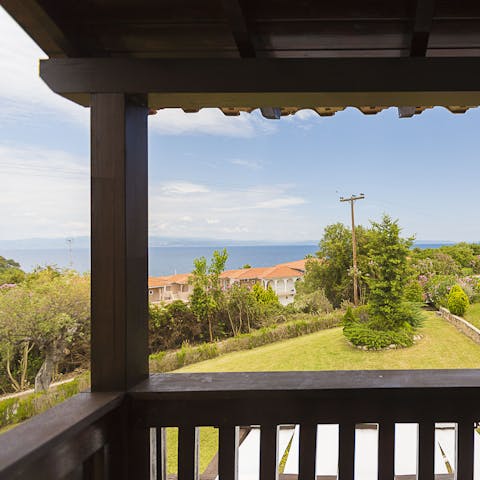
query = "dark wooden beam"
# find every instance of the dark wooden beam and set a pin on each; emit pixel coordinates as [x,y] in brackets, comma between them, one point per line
[238,25]
[52,444]
[243,39]
[119,200]
[261,82]
[41,27]
[421,27]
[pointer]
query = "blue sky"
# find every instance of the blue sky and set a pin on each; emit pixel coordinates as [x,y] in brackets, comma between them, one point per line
[242,178]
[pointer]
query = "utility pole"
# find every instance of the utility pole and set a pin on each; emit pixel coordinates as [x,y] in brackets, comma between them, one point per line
[352,201]
[69,246]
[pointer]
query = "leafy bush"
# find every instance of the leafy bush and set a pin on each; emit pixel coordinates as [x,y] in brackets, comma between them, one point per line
[301,324]
[314,302]
[438,288]
[410,313]
[171,325]
[413,292]
[348,318]
[363,335]
[18,409]
[457,300]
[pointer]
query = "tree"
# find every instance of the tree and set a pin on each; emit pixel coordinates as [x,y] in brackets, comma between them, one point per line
[10,271]
[207,292]
[7,263]
[46,311]
[333,274]
[388,273]
[241,308]
[457,300]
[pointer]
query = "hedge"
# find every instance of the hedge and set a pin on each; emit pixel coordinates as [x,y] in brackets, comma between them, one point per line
[18,409]
[302,324]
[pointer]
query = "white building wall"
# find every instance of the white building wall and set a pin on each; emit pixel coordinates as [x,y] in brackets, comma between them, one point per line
[284,288]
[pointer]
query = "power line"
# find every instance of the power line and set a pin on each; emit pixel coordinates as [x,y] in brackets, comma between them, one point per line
[352,201]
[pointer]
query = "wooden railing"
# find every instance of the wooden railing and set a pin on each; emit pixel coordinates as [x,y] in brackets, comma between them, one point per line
[308,399]
[118,436]
[78,439]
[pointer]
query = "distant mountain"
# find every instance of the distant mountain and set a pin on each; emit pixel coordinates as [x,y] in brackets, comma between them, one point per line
[154,241]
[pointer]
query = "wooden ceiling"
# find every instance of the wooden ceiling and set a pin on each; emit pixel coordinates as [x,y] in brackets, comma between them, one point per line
[235,29]
[265,28]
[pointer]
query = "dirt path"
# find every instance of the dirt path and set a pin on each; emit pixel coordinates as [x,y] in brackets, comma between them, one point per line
[31,390]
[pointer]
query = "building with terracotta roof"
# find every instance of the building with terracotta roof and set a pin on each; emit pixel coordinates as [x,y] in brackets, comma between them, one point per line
[281,278]
[169,288]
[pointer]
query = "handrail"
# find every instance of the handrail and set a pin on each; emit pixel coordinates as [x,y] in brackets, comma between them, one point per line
[122,435]
[347,398]
[54,443]
[220,382]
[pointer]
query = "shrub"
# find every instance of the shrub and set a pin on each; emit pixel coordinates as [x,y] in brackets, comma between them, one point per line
[457,300]
[172,324]
[438,288]
[314,302]
[348,318]
[301,324]
[363,335]
[413,292]
[17,409]
[410,313]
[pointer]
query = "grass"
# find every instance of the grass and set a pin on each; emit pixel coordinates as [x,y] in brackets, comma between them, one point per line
[297,326]
[208,448]
[441,346]
[472,314]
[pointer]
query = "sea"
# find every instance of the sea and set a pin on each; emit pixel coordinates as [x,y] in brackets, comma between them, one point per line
[170,260]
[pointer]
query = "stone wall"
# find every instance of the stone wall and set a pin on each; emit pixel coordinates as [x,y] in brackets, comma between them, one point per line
[461,324]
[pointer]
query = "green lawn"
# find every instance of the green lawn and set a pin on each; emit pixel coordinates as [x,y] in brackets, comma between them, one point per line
[442,346]
[472,314]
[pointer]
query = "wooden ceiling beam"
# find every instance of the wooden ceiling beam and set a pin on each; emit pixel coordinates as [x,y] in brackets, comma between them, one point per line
[42,28]
[262,82]
[243,39]
[239,28]
[421,27]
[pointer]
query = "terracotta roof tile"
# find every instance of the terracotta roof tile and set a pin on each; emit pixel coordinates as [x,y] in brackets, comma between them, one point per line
[282,271]
[158,281]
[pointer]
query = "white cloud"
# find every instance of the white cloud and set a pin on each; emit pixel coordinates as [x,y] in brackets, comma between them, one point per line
[281,202]
[305,114]
[225,213]
[45,193]
[210,121]
[22,92]
[183,188]
[251,164]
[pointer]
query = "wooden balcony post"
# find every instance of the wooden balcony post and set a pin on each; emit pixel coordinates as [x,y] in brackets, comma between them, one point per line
[119,222]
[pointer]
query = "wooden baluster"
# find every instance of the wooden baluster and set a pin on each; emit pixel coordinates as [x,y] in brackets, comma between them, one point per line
[161,453]
[94,467]
[228,453]
[386,450]
[76,474]
[269,452]
[426,450]
[307,452]
[188,453]
[465,450]
[346,451]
